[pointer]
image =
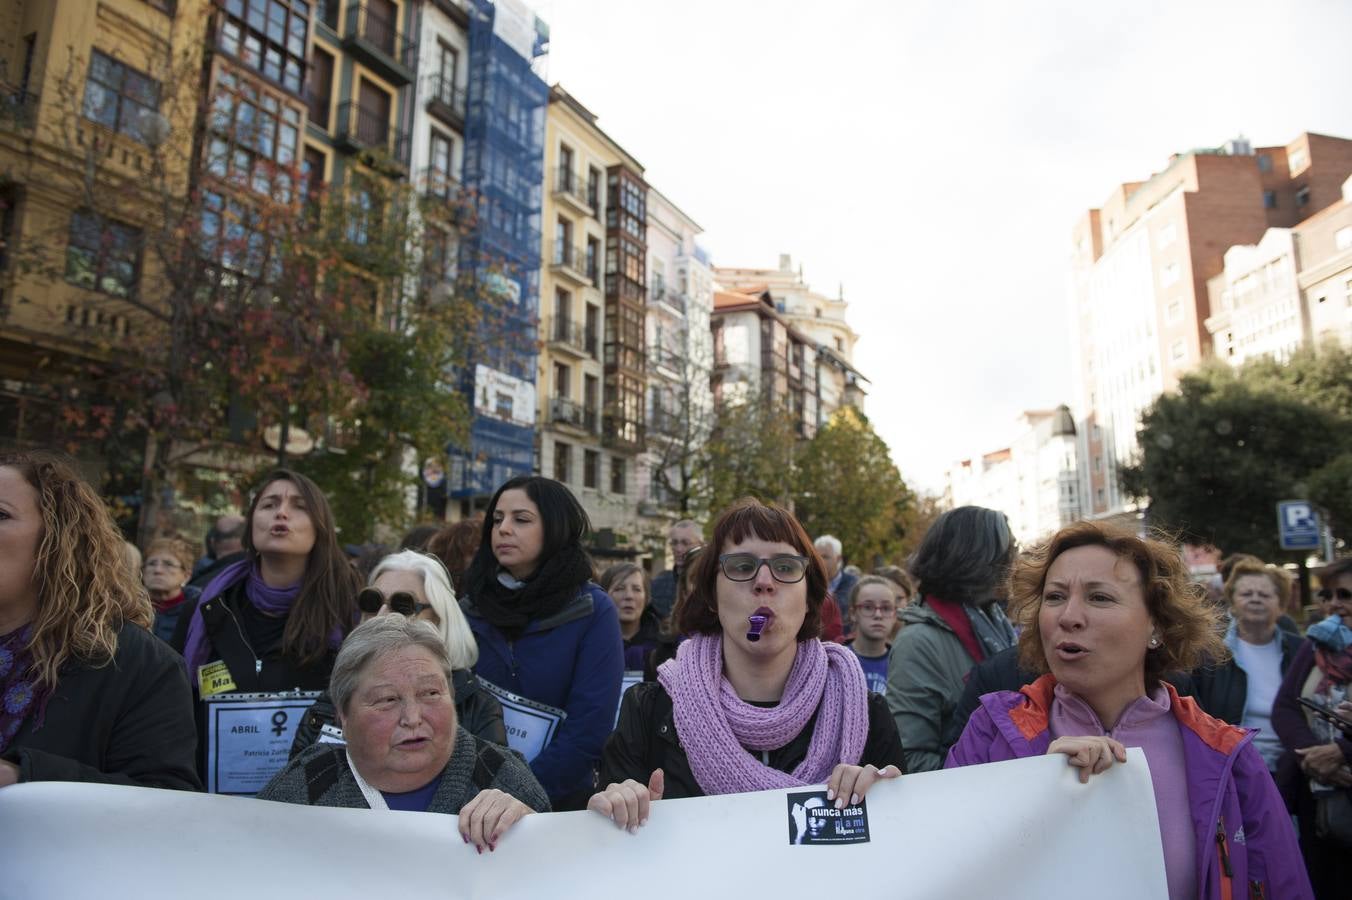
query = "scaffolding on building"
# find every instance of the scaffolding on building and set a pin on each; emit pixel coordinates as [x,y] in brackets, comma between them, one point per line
[504,172]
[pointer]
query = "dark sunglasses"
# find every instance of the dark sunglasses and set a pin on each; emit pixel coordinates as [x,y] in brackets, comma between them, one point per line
[1342,594]
[370,600]
[744,566]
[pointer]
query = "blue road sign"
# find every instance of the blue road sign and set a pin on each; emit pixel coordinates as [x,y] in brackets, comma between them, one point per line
[1298,525]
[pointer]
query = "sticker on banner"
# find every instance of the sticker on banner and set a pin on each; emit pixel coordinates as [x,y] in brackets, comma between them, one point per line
[214,678]
[530,725]
[249,738]
[815,820]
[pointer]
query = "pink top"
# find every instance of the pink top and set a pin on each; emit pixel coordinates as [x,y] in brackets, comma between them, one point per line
[1148,724]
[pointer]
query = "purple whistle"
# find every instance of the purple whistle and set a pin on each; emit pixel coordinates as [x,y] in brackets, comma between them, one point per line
[758,623]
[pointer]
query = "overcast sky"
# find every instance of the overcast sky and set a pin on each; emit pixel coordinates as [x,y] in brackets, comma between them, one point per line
[933,155]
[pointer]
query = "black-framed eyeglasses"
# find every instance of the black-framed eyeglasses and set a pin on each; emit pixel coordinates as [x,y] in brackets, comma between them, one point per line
[786,569]
[1327,594]
[370,600]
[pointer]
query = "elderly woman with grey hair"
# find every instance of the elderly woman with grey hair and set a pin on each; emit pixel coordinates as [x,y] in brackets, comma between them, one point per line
[961,567]
[391,685]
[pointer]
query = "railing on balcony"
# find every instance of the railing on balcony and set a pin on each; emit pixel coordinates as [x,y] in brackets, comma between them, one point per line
[566,332]
[570,256]
[664,356]
[379,40]
[19,109]
[623,288]
[570,184]
[435,182]
[566,412]
[662,293]
[445,100]
[360,128]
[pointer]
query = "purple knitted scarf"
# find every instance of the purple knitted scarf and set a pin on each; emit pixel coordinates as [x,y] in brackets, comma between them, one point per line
[717,728]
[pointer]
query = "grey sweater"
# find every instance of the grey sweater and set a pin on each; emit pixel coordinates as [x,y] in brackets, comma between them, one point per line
[319,776]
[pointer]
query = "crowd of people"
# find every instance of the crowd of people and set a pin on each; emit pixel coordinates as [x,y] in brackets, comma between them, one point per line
[486,669]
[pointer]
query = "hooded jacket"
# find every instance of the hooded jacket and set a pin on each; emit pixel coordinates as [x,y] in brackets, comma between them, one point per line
[573,660]
[1246,846]
[925,676]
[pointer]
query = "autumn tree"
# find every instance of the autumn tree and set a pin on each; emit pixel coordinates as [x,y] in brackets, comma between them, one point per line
[752,451]
[848,486]
[683,420]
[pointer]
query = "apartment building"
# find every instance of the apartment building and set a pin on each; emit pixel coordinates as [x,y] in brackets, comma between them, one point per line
[1324,247]
[1140,269]
[593,366]
[760,358]
[1034,480]
[98,104]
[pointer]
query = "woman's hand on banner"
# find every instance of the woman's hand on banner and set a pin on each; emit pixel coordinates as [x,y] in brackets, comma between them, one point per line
[486,818]
[849,784]
[9,773]
[1091,754]
[628,804]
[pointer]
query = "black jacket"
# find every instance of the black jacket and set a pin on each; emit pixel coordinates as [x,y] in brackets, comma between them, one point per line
[476,710]
[129,722]
[645,739]
[1223,690]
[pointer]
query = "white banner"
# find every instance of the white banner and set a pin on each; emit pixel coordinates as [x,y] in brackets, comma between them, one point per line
[1025,828]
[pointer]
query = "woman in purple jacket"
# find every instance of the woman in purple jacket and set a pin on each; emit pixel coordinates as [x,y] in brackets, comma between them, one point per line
[1105,615]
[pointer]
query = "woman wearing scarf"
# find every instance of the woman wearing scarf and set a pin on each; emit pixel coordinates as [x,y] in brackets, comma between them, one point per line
[1316,772]
[961,567]
[273,620]
[86,692]
[546,633]
[753,700]
[165,576]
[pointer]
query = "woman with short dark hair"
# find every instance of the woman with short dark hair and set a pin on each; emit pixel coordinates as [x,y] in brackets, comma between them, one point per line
[754,700]
[545,631]
[960,566]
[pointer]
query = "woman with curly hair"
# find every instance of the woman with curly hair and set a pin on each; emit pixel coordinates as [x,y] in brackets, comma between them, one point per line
[86,692]
[1106,614]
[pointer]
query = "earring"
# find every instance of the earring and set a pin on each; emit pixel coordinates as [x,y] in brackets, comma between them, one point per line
[1154,642]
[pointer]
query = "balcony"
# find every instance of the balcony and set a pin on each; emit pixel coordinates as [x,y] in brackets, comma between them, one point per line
[570,261]
[622,434]
[360,130]
[674,300]
[18,110]
[457,13]
[573,339]
[667,423]
[446,102]
[664,358]
[621,287]
[566,412]
[378,43]
[571,189]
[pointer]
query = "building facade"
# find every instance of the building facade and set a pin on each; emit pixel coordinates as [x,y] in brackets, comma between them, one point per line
[593,365]
[1034,481]
[1324,247]
[760,358]
[1139,273]
[680,408]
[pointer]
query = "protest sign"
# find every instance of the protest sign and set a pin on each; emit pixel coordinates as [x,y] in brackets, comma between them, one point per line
[1020,829]
[249,738]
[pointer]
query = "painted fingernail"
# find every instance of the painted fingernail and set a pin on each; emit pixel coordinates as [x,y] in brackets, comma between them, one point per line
[492,847]
[643,822]
[478,849]
[854,799]
[840,803]
[465,838]
[831,794]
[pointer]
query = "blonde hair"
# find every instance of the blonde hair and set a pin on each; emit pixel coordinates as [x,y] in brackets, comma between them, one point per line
[85,589]
[1188,627]
[461,648]
[1280,578]
[174,547]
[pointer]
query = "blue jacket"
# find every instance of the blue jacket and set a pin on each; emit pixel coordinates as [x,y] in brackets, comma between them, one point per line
[573,660]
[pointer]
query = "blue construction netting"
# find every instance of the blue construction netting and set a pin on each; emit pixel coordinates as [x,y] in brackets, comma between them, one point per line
[504,171]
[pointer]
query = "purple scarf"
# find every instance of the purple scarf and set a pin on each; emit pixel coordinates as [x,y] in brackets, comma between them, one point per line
[717,728]
[19,695]
[270,600]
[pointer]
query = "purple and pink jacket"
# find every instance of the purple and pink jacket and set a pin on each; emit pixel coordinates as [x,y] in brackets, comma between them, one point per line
[1246,847]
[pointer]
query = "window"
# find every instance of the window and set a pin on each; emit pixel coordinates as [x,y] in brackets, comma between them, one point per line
[446,65]
[117,96]
[230,235]
[440,155]
[361,208]
[591,389]
[562,377]
[1098,497]
[255,137]
[1296,160]
[565,168]
[593,328]
[591,468]
[617,481]
[1303,196]
[593,188]
[1342,238]
[268,36]
[1169,274]
[312,169]
[103,255]
[1098,463]
[563,242]
[1264,163]
[1174,312]
[1167,235]
[1178,352]
[563,461]
[1269,199]
[593,257]
[319,98]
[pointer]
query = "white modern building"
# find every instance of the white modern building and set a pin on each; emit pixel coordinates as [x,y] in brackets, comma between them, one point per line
[1256,308]
[1034,481]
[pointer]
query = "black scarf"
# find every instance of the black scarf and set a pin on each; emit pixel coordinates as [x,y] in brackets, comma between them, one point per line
[548,591]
